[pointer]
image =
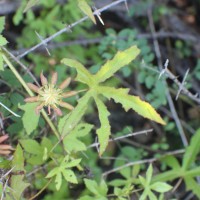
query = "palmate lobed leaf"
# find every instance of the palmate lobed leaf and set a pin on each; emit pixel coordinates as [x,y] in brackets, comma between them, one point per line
[131,102]
[119,95]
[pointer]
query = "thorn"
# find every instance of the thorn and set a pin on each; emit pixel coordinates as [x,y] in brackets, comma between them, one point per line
[126,5]
[68,28]
[182,84]
[164,70]
[43,42]
[98,14]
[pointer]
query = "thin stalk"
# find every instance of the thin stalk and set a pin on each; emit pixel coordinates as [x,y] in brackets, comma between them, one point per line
[20,79]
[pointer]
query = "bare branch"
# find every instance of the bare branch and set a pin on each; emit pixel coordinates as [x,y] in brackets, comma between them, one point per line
[169,98]
[96,144]
[150,160]
[68,28]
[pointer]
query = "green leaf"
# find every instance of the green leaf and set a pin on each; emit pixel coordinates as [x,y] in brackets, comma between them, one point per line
[83,5]
[72,142]
[67,124]
[131,102]
[149,174]
[1,62]
[92,186]
[103,189]
[3,41]
[17,184]
[83,75]
[151,195]
[120,60]
[143,181]
[104,131]
[53,172]
[86,197]
[2,24]
[58,181]
[161,187]
[167,176]
[69,176]
[192,150]
[144,195]
[31,146]
[30,4]
[73,163]
[30,119]
[193,172]
[191,184]
[171,161]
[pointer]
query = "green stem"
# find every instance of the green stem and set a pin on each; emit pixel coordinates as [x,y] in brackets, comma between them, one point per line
[20,79]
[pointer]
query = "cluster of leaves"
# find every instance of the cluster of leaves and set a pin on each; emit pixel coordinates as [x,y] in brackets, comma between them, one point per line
[59,160]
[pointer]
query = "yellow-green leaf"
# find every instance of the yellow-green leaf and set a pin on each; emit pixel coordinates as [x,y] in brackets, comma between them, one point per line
[131,102]
[121,59]
[68,123]
[104,131]
[83,75]
[86,9]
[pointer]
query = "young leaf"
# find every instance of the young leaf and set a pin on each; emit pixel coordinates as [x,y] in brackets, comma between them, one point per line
[161,187]
[92,186]
[131,102]
[67,173]
[103,189]
[72,142]
[149,174]
[104,131]
[120,60]
[17,183]
[72,163]
[192,150]
[83,5]
[30,119]
[83,75]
